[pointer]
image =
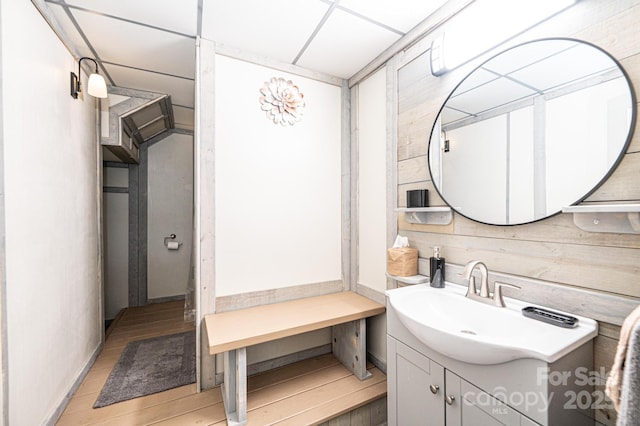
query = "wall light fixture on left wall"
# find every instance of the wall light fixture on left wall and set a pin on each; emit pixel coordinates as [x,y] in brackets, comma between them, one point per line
[96,86]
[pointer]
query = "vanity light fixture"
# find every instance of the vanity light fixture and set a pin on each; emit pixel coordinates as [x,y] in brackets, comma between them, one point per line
[481,27]
[437,56]
[96,86]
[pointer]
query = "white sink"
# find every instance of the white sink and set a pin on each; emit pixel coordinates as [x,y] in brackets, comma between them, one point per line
[473,332]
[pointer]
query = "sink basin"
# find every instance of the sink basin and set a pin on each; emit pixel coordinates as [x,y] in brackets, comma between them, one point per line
[473,332]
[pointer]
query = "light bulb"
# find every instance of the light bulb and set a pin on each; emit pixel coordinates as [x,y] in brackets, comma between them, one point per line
[96,86]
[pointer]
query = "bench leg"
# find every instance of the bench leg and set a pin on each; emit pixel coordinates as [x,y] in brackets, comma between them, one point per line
[234,388]
[349,344]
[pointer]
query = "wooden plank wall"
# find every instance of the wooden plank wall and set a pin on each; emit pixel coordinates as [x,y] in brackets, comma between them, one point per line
[553,250]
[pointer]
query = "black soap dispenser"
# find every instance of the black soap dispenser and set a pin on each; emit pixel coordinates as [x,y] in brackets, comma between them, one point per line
[436,269]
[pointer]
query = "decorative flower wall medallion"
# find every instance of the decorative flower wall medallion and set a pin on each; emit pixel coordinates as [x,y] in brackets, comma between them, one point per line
[282,101]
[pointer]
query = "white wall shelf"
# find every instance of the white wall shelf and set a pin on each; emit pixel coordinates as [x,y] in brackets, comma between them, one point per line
[616,218]
[427,215]
[414,279]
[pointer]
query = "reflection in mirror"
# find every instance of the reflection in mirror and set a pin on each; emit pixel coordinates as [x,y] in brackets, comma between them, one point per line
[535,128]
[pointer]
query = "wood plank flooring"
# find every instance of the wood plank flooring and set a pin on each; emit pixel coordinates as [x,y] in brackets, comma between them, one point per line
[305,393]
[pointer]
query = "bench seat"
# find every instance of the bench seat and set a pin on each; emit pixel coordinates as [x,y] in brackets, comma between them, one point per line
[231,332]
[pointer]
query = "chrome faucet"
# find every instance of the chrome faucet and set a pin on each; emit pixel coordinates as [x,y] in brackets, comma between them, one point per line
[484,277]
[483,296]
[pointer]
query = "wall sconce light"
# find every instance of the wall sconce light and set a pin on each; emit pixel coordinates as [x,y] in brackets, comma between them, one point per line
[437,56]
[95,87]
[446,147]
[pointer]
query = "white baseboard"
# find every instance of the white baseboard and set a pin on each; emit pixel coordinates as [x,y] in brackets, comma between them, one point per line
[55,416]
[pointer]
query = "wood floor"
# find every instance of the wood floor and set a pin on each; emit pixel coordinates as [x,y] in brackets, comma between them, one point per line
[305,393]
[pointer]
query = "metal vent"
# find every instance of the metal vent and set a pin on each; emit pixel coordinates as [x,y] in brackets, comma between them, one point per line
[135,117]
[149,121]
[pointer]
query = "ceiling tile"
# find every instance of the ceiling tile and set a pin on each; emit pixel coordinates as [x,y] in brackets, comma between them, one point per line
[477,78]
[138,46]
[277,28]
[180,16]
[485,97]
[345,44]
[180,89]
[401,15]
[571,65]
[450,115]
[526,54]
[183,117]
[69,29]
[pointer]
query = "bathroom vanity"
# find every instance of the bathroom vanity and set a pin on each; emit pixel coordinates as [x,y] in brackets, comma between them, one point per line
[491,367]
[500,149]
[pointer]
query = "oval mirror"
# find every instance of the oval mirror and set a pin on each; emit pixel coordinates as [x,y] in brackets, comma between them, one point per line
[534,129]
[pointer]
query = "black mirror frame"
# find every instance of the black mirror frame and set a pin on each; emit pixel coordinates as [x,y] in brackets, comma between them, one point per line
[614,165]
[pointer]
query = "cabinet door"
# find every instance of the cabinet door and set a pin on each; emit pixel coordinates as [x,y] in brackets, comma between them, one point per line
[416,387]
[453,399]
[525,421]
[478,408]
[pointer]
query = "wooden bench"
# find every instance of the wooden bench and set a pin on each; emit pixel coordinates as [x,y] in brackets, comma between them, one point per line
[231,332]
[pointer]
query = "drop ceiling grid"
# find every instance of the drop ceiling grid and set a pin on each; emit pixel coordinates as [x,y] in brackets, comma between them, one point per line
[180,89]
[511,61]
[277,29]
[138,46]
[137,42]
[544,72]
[476,79]
[179,16]
[554,71]
[69,29]
[449,115]
[345,44]
[498,92]
[403,15]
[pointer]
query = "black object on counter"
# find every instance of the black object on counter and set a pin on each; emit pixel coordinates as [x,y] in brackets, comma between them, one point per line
[551,317]
[436,269]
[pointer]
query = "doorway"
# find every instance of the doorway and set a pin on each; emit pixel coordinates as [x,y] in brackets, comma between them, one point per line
[148,225]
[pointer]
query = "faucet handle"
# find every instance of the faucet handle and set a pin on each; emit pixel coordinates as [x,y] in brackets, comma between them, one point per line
[497,293]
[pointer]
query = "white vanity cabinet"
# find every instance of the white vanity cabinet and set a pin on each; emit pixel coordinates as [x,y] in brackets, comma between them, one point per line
[415,387]
[422,392]
[426,387]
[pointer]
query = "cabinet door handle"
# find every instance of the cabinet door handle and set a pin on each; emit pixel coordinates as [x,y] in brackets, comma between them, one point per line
[434,389]
[449,399]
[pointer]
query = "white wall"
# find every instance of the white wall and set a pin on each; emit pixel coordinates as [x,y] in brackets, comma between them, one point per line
[278,189]
[4,416]
[52,258]
[169,211]
[578,116]
[372,181]
[372,199]
[521,200]
[116,242]
[467,169]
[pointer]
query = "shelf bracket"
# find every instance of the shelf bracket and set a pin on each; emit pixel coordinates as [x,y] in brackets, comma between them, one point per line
[349,345]
[427,215]
[619,219]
